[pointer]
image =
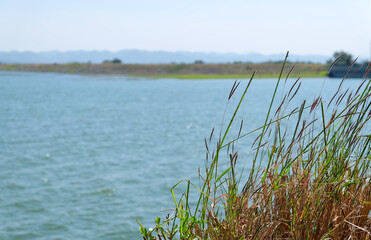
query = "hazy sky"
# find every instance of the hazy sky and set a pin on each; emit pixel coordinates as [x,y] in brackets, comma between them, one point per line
[241,26]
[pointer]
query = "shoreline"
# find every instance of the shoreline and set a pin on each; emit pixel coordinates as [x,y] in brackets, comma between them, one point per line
[177,71]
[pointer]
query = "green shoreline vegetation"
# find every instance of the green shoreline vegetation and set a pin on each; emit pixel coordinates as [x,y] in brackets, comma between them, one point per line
[197,70]
[312,182]
[234,76]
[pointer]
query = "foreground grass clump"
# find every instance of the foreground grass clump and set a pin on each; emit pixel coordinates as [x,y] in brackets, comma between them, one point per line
[309,178]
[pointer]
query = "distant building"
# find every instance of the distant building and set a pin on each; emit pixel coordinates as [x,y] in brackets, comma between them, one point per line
[356,71]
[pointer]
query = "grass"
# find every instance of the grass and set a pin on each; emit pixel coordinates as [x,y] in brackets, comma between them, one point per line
[233,76]
[309,183]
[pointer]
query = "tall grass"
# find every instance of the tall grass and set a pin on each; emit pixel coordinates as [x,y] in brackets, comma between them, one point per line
[309,183]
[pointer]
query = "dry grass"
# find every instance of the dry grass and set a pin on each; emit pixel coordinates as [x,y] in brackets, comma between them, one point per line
[297,208]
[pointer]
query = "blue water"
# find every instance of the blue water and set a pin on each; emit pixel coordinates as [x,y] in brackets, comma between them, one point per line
[84,157]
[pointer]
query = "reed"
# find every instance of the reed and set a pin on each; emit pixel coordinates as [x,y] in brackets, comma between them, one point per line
[309,183]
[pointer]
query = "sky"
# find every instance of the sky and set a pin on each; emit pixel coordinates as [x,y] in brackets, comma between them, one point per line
[238,26]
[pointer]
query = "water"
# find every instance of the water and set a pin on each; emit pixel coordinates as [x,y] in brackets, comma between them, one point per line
[84,157]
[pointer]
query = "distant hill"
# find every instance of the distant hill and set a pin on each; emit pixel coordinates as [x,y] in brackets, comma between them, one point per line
[148,57]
